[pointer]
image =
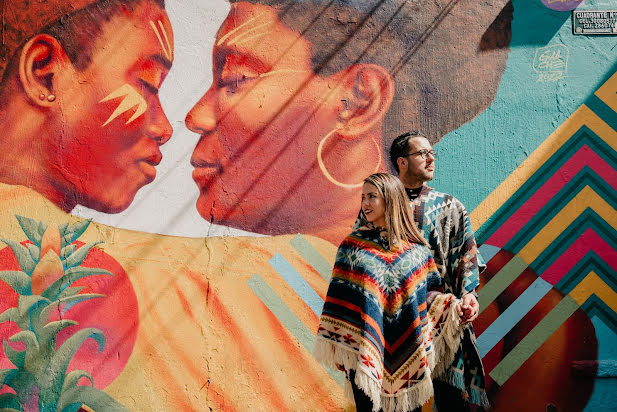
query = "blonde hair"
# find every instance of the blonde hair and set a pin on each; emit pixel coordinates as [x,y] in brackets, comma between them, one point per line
[400,224]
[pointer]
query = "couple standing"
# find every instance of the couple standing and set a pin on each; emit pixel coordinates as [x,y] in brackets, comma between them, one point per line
[383,322]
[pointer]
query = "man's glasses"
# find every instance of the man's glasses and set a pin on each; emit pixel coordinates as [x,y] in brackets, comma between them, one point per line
[424,153]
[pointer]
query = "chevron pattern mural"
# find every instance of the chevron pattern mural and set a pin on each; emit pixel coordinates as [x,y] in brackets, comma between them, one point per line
[555,217]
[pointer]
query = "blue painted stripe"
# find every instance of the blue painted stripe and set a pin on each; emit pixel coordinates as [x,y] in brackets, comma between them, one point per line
[511,316]
[297,283]
[289,320]
[488,251]
[312,256]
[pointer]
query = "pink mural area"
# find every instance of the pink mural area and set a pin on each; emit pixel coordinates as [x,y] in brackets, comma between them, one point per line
[553,268]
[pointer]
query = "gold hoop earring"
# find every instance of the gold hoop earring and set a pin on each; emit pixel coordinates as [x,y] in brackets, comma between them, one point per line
[327,174]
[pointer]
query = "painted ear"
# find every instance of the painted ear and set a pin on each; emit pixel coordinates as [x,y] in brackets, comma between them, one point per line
[40,59]
[369,93]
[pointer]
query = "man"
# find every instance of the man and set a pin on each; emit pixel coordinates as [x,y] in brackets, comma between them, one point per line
[79,109]
[446,226]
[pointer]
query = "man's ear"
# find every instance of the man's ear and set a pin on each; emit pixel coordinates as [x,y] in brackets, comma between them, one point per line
[40,59]
[369,90]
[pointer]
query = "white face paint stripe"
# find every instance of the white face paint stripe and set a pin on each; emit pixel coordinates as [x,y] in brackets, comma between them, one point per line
[131,99]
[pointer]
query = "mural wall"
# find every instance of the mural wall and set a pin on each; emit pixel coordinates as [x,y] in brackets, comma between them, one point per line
[175,179]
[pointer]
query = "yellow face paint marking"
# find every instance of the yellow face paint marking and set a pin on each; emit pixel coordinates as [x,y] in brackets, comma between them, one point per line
[253,37]
[248,31]
[167,49]
[131,99]
[230,33]
[273,72]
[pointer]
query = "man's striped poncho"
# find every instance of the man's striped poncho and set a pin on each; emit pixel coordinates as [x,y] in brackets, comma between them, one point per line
[379,320]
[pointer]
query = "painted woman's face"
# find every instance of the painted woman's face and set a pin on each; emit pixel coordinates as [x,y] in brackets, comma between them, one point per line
[260,124]
[373,205]
[112,121]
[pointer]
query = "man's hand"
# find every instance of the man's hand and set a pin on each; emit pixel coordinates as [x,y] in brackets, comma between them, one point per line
[469,308]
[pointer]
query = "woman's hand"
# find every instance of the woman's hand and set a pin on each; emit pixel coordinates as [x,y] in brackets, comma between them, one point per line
[469,308]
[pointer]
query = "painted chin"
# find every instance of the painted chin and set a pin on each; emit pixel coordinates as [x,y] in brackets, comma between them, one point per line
[148,170]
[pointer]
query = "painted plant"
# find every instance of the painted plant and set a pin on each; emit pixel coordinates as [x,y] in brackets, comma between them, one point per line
[50,263]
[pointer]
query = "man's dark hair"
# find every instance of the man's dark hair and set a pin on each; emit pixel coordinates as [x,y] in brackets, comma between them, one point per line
[78,31]
[400,146]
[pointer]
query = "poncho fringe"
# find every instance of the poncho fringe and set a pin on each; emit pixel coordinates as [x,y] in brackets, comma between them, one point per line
[444,347]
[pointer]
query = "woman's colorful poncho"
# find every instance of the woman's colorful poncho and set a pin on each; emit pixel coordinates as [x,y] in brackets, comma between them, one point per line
[379,320]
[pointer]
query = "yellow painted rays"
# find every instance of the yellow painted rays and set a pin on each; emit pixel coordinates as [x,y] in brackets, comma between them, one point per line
[161,34]
[131,99]
[247,31]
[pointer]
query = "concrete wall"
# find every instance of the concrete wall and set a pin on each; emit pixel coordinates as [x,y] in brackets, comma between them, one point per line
[206,290]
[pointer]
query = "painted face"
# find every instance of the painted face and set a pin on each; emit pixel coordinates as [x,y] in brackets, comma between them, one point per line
[112,122]
[373,205]
[418,168]
[261,122]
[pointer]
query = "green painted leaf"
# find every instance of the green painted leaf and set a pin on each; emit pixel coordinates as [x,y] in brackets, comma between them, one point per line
[73,377]
[53,377]
[78,257]
[27,302]
[42,228]
[33,353]
[17,358]
[12,314]
[25,261]
[70,276]
[4,374]
[77,229]
[47,335]
[18,281]
[32,229]
[35,252]
[92,397]
[68,302]
[71,291]
[10,402]
[67,251]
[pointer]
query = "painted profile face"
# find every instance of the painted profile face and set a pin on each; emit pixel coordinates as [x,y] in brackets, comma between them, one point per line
[112,122]
[418,168]
[260,123]
[373,205]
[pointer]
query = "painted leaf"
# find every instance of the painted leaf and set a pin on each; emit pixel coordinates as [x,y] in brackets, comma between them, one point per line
[48,333]
[10,402]
[12,314]
[25,261]
[47,271]
[69,302]
[26,302]
[18,281]
[73,377]
[32,229]
[52,379]
[35,252]
[17,358]
[32,351]
[21,382]
[92,397]
[68,292]
[67,251]
[77,229]
[52,240]
[78,257]
[71,275]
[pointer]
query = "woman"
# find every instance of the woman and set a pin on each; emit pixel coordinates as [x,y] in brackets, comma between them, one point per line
[379,323]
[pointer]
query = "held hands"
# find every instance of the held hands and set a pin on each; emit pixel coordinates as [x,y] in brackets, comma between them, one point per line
[469,308]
